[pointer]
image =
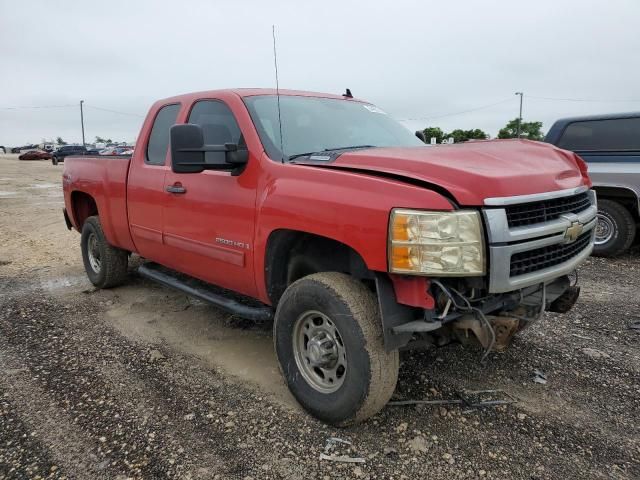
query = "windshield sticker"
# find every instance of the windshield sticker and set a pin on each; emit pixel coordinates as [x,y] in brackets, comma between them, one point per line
[374,109]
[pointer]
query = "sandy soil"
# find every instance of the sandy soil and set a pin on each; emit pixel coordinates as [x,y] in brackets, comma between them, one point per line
[143,382]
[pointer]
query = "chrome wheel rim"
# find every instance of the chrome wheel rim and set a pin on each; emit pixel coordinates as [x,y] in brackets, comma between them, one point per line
[604,229]
[319,351]
[93,252]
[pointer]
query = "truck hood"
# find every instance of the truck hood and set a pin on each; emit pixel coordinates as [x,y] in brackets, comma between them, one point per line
[474,171]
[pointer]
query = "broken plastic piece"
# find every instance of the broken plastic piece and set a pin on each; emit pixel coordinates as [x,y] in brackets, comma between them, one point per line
[341,458]
[539,377]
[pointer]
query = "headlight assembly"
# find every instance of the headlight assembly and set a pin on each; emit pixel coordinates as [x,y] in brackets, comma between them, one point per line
[436,243]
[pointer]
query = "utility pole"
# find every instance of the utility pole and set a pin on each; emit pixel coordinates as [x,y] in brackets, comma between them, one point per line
[82,121]
[520,116]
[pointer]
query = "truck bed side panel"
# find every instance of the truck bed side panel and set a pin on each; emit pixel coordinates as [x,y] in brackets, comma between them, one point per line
[105,180]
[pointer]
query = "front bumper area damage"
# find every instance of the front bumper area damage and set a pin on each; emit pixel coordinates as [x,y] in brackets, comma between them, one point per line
[534,243]
[490,321]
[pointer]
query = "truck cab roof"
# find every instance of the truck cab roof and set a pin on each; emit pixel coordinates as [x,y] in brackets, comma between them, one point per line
[556,130]
[252,92]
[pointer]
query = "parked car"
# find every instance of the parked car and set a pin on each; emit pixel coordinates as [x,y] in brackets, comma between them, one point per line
[67,150]
[4,150]
[108,151]
[123,151]
[23,149]
[347,230]
[35,155]
[610,144]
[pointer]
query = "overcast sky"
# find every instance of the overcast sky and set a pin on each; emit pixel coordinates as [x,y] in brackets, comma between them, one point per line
[415,59]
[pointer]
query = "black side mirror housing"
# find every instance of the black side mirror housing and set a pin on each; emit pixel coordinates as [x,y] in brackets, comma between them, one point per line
[188,151]
[420,135]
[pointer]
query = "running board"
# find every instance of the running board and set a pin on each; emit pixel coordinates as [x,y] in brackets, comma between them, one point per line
[259,313]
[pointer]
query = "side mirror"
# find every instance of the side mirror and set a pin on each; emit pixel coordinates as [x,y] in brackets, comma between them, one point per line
[420,135]
[188,151]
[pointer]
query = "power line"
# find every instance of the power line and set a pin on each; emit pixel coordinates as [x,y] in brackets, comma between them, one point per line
[41,106]
[459,113]
[114,111]
[71,106]
[581,100]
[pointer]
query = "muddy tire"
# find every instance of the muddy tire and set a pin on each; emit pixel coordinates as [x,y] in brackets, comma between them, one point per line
[106,266]
[615,231]
[328,338]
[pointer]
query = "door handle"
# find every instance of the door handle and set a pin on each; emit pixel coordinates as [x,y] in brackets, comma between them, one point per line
[176,188]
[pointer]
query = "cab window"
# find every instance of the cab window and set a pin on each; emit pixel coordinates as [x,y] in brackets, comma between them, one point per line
[616,134]
[159,137]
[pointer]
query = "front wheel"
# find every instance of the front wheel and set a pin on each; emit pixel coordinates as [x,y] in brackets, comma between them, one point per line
[106,265]
[615,230]
[328,339]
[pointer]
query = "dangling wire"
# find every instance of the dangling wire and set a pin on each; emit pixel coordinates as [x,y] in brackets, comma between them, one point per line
[470,309]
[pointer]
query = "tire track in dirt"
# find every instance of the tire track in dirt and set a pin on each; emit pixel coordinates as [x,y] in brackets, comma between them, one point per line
[62,449]
[58,360]
[22,454]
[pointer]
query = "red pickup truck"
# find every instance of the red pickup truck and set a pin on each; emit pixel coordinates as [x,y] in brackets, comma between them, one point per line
[323,213]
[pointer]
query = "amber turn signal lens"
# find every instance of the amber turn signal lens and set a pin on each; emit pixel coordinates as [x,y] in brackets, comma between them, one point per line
[400,228]
[400,258]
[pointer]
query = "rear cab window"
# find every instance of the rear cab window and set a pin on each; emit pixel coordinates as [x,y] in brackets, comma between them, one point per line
[616,134]
[159,137]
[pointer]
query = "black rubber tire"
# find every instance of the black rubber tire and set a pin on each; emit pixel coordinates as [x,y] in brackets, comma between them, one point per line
[372,373]
[624,231]
[54,161]
[114,261]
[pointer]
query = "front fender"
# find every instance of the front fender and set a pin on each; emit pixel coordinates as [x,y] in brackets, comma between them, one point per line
[351,208]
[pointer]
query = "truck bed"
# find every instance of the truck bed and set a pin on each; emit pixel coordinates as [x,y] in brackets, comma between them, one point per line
[105,179]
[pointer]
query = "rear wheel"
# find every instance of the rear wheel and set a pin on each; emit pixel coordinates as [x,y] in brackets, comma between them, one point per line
[615,230]
[328,339]
[106,265]
[54,161]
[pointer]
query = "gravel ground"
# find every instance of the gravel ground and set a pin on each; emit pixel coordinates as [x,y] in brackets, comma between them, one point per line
[143,382]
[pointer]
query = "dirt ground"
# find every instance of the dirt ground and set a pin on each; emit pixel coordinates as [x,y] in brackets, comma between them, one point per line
[144,382]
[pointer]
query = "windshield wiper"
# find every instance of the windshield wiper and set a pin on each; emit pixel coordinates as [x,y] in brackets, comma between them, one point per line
[298,155]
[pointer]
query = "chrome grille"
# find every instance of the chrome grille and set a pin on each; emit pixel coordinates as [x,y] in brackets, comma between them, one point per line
[540,258]
[546,210]
[528,236]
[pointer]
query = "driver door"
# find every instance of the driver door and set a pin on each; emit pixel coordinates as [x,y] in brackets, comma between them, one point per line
[209,216]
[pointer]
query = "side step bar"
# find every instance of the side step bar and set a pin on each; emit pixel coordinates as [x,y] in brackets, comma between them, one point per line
[153,272]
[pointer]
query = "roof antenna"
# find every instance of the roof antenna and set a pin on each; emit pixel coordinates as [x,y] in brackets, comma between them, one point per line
[275,64]
[347,94]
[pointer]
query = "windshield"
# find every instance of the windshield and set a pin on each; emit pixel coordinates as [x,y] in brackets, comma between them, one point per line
[315,124]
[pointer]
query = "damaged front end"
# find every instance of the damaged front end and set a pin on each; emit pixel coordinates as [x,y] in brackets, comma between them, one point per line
[494,331]
[470,315]
[452,277]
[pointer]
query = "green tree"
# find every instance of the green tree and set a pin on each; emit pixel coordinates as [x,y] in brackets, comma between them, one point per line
[60,141]
[103,140]
[459,135]
[436,132]
[529,130]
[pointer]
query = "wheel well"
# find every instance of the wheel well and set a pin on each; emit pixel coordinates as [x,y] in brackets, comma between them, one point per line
[292,254]
[622,195]
[83,206]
